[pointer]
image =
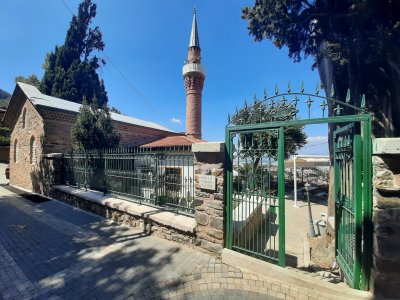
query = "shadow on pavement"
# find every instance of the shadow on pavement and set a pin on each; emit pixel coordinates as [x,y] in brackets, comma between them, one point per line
[105,261]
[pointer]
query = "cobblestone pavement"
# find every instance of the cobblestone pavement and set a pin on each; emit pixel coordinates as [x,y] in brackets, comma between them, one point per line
[49,250]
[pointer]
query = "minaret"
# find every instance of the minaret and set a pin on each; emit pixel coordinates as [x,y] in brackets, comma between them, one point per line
[194,75]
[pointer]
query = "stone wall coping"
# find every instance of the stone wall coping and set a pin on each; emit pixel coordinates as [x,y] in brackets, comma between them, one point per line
[386,146]
[53,155]
[208,147]
[176,221]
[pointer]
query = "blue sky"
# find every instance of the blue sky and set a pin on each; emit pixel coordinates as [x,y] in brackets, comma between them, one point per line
[147,41]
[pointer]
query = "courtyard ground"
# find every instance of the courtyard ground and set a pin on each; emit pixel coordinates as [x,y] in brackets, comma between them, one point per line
[297,226]
[49,250]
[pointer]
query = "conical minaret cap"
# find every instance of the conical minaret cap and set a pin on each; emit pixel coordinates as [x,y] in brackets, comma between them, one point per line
[194,35]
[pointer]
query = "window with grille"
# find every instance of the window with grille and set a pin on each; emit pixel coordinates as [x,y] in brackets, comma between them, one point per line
[33,150]
[173,179]
[24,118]
[16,151]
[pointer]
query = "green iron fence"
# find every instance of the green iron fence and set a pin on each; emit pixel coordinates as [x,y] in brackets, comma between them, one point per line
[257,226]
[255,205]
[160,178]
[348,200]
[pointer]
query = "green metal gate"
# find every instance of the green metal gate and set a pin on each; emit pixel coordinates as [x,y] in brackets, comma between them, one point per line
[257,202]
[255,180]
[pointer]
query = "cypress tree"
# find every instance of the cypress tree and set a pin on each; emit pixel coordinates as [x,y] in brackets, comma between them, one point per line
[70,70]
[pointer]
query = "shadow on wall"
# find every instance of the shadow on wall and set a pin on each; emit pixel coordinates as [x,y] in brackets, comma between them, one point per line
[42,176]
[46,171]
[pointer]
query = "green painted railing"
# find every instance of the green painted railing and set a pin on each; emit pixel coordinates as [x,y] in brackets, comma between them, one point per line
[159,178]
[256,195]
[254,205]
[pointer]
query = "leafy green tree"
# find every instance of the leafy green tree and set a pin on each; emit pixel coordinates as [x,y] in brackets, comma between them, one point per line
[32,80]
[94,128]
[254,145]
[115,110]
[355,45]
[71,70]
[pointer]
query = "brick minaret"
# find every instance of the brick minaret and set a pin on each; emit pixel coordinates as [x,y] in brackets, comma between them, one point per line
[194,75]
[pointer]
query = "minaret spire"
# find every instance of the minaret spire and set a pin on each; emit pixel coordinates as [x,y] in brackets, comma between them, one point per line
[194,75]
[194,36]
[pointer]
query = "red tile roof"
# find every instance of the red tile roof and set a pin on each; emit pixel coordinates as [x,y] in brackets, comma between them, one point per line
[177,140]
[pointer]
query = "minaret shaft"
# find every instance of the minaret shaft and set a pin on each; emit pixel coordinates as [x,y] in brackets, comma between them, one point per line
[194,76]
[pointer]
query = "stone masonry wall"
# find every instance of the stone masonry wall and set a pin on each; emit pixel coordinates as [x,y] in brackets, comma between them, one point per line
[209,160]
[385,279]
[21,169]
[146,225]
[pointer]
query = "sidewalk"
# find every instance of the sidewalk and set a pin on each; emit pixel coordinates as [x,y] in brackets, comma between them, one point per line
[49,250]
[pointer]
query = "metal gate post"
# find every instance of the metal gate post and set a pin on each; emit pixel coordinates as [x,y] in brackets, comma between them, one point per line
[228,191]
[281,194]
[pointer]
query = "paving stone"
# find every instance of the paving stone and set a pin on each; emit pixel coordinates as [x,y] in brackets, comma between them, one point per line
[49,250]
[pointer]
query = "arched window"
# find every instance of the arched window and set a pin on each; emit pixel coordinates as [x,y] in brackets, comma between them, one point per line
[24,118]
[33,151]
[16,151]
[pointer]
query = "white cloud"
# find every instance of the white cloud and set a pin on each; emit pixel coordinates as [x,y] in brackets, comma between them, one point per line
[176,121]
[317,138]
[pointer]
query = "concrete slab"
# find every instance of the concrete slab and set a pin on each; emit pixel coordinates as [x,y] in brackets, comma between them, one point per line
[385,146]
[208,147]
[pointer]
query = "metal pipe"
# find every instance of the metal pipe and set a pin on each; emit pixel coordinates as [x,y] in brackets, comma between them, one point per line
[311,230]
[295,181]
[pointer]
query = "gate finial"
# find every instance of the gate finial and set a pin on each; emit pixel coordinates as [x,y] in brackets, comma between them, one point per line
[348,97]
[288,88]
[276,89]
[332,91]
[362,101]
[317,89]
[302,87]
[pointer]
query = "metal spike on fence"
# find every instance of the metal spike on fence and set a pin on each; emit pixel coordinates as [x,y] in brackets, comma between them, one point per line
[295,101]
[362,106]
[265,94]
[255,99]
[332,91]
[309,102]
[276,89]
[302,87]
[317,89]
[288,88]
[323,106]
[245,104]
[348,97]
[229,118]
[338,110]
[272,103]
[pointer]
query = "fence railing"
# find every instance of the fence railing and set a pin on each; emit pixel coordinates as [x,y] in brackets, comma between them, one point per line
[157,178]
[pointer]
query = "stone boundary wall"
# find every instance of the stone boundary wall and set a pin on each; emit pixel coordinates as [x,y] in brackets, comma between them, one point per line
[385,277]
[207,230]
[209,163]
[143,222]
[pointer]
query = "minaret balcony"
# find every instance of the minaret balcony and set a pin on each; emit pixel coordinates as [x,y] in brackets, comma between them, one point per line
[194,68]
